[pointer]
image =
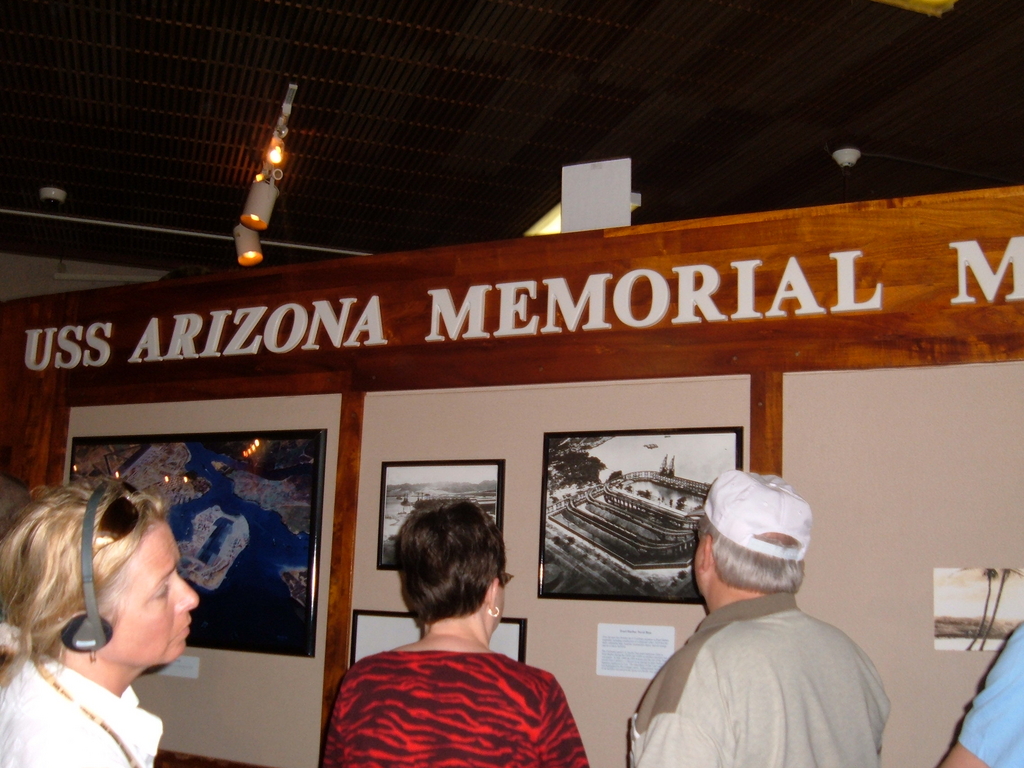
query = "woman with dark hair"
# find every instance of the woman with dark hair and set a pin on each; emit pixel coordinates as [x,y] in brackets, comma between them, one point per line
[92,598]
[447,699]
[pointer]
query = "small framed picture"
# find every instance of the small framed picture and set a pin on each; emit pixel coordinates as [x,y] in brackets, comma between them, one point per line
[378,631]
[620,510]
[977,609]
[407,486]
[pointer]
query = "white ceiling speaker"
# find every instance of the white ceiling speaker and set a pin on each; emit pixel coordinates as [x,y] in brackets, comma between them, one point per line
[52,196]
[846,157]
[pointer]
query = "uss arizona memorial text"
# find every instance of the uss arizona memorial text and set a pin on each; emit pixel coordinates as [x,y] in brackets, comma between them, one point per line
[292,326]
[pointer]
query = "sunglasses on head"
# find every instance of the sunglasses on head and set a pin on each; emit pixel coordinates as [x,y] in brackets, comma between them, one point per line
[114,522]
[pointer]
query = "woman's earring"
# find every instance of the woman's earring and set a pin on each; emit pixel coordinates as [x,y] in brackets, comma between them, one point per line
[494,611]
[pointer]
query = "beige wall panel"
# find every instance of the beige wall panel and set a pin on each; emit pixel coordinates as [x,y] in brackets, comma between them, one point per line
[262,709]
[506,423]
[907,470]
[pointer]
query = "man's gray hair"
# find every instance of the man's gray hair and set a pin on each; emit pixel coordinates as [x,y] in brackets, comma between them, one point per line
[744,568]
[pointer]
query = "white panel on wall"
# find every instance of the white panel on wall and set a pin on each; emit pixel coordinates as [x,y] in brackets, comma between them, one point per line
[596,195]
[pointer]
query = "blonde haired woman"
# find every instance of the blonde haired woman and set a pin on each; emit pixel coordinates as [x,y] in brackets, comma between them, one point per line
[92,598]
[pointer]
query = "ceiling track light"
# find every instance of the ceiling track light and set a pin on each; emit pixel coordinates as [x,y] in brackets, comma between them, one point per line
[247,246]
[275,154]
[259,204]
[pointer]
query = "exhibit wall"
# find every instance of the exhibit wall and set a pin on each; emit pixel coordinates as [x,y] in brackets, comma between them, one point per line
[839,337]
[907,471]
[509,424]
[256,708]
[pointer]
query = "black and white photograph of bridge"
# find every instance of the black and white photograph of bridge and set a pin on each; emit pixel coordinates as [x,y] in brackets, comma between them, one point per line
[411,486]
[621,510]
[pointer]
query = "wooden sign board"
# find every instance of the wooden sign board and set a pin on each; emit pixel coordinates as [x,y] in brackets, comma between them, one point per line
[917,281]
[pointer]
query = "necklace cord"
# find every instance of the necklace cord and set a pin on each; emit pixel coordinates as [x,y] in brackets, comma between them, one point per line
[49,678]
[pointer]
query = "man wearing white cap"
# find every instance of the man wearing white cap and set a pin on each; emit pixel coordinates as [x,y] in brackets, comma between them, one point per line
[760,684]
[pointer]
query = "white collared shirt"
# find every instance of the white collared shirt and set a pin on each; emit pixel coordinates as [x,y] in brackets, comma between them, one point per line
[41,728]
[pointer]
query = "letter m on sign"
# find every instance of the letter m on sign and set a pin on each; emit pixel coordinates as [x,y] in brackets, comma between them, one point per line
[970,256]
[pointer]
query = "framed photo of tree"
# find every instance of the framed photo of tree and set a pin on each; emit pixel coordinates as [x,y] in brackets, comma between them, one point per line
[977,609]
[620,510]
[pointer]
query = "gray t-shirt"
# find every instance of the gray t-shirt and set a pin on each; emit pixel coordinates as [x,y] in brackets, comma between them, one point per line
[762,685]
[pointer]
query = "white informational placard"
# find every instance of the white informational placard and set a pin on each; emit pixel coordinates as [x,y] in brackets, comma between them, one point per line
[633,650]
[378,631]
[183,666]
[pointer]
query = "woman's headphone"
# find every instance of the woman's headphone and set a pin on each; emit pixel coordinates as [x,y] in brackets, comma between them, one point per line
[88,631]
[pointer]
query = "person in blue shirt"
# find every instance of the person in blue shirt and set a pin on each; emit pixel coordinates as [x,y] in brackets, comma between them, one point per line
[993,732]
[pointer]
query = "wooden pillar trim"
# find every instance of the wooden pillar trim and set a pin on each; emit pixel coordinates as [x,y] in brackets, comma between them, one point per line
[346,496]
[766,422]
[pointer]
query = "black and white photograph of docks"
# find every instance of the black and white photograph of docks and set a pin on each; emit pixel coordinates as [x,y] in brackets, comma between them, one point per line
[621,510]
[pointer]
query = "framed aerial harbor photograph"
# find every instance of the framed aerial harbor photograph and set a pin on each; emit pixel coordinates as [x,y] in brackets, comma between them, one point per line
[407,486]
[620,510]
[245,508]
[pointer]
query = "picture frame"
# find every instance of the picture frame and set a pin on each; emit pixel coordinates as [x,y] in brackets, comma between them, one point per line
[620,509]
[976,609]
[245,508]
[378,631]
[406,486]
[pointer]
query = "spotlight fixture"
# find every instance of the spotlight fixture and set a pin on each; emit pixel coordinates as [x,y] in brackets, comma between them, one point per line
[247,246]
[275,155]
[260,203]
[263,192]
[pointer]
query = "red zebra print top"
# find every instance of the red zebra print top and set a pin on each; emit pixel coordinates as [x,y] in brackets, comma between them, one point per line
[445,709]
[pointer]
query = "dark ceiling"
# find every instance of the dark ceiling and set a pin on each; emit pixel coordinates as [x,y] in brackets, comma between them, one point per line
[429,123]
